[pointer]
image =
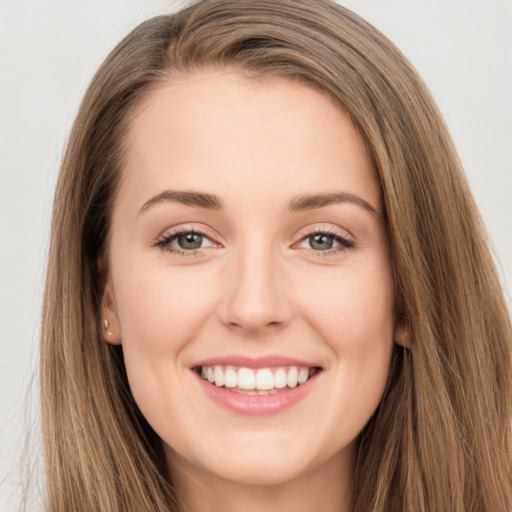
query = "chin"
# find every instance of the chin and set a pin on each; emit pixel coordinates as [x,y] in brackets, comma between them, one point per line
[265,462]
[258,471]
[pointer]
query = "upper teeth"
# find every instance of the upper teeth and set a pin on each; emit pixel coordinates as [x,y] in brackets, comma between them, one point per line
[262,379]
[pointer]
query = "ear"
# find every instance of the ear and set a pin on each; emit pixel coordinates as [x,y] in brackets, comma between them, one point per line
[110,321]
[109,318]
[403,333]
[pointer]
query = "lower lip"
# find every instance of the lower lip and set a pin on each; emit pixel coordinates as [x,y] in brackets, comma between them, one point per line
[253,405]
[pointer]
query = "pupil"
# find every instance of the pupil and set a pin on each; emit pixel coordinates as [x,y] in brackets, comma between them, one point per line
[321,241]
[190,241]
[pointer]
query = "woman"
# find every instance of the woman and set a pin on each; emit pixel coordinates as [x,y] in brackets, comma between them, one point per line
[268,283]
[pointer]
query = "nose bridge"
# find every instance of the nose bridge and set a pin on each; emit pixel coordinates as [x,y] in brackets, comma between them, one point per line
[254,299]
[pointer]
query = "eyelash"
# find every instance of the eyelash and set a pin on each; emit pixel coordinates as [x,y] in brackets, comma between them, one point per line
[164,242]
[344,243]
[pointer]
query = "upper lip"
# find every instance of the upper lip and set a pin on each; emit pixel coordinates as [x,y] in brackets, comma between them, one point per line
[268,361]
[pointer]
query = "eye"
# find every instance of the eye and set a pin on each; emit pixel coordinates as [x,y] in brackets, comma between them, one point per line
[190,241]
[185,241]
[321,241]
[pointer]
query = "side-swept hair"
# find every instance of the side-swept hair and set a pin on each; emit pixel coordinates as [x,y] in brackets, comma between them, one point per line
[440,440]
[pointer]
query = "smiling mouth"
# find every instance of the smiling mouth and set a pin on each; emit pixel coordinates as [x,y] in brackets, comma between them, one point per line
[252,381]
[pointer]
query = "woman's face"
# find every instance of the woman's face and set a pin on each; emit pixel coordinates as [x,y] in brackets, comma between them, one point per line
[249,278]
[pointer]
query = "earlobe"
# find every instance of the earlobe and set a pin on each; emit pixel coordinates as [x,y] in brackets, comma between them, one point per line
[403,335]
[109,322]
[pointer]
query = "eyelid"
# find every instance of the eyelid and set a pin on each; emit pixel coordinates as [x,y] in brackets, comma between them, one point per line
[164,240]
[327,229]
[322,228]
[346,240]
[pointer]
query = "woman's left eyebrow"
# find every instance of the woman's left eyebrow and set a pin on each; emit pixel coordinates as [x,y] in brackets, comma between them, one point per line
[312,201]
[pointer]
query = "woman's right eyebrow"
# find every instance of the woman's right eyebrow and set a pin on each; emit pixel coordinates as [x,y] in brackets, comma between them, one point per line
[186,197]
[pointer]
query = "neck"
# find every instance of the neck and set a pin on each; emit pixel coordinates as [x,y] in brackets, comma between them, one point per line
[329,484]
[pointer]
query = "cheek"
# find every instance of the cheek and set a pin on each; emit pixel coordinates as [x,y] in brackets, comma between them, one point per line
[160,307]
[354,316]
[160,311]
[353,308]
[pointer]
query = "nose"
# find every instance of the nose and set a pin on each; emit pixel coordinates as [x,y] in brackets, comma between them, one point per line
[255,299]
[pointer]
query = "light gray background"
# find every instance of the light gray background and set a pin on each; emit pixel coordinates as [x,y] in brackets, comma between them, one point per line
[48,53]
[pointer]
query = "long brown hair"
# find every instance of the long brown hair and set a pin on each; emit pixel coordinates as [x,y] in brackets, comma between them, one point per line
[440,440]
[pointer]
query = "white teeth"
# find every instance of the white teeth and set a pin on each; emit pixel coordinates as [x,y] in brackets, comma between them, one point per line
[230,378]
[246,379]
[292,377]
[303,376]
[263,381]
[219,376]
[280,378]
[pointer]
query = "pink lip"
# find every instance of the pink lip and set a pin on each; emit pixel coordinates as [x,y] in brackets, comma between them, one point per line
[253,362]
[253,405]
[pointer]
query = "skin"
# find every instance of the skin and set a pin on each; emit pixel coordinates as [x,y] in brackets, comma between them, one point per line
[257,286]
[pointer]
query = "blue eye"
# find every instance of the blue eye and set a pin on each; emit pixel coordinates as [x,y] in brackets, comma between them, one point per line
[190,241]
[325,242]
[184,241]
[321,241]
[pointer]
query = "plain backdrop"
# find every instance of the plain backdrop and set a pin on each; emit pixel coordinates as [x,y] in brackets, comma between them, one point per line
[48,53]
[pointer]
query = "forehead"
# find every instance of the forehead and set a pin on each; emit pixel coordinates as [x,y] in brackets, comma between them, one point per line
[227,133]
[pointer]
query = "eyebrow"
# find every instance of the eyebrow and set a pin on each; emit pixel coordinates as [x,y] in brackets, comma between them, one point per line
[313,201]
[188,198]
[297,204]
